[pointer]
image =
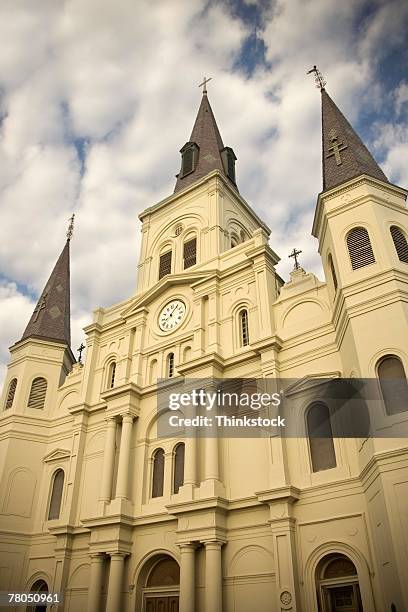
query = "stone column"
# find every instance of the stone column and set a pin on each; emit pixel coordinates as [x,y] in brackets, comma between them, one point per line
[213,576]
[124,452]
[108,460]
[95,583]
[190,461]
[115,582]
[211,466]
[187,578]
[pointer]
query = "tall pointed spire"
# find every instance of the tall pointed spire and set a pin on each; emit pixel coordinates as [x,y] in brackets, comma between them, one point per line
[51,319]
[207,149]
[345,156]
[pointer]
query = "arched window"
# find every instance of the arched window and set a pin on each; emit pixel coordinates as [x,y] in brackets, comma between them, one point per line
[11,393]
[38,392]
[39,586]
[56,495]
[158,473]
[111,375]
[333,272]
[320,435]
[244,327]
[178,476]
[393,382]
[170,365]
[165,264]
[190,253]
[400,243]
[359,248]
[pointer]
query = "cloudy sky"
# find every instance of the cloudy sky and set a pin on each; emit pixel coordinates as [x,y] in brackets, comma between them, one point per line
[98,96]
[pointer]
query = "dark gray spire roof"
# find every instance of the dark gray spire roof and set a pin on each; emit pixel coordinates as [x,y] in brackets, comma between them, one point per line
[207,136]
[51,318]
[345,156]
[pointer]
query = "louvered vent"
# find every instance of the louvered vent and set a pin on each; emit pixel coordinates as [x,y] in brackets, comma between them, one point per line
[165,264]
[190,253]
[11,393]
[37,393]
[400,243]
[359,247]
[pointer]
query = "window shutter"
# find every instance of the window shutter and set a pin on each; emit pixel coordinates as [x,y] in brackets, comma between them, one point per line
[165,264]
[112,374]
[188,159]
[178,467]
[11,393]
[320,438]
[170,365]
[400,243]
[37,393]
[190,253]
[56,495]
[158,473]
[243,315]
[359,248]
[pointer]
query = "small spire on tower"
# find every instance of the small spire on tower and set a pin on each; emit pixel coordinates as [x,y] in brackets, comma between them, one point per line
[319,80]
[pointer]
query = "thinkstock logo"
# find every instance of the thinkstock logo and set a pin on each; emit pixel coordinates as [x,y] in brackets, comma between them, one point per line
[312,407]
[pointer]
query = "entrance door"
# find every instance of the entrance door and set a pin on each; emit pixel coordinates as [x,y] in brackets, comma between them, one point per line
[344,598]
[162,604]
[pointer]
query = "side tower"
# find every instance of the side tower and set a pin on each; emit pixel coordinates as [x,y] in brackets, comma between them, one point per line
[39,363]
[361,222]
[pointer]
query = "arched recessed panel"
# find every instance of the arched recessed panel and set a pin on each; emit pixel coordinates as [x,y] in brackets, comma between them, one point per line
[394,387]
[320,435]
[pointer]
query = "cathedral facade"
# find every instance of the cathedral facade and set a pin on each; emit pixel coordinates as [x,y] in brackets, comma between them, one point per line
[97,506]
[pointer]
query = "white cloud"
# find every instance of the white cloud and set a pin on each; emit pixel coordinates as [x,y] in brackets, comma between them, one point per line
[123,80]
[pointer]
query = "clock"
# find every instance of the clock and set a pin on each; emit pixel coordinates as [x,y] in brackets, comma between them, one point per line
[171,315]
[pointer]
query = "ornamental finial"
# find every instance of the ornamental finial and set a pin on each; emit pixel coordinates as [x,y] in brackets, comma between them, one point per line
[70,227]
[319,80]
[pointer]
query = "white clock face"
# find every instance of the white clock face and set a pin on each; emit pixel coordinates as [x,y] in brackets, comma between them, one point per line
[172,315]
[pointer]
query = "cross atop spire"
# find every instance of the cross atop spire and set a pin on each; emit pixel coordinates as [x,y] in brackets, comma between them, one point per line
[204,84]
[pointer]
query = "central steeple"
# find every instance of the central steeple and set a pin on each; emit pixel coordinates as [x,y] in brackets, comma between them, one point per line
[205,151]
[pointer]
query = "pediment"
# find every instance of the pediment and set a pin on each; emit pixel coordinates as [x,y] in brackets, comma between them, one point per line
[309,382]
[174,280]
[58,454]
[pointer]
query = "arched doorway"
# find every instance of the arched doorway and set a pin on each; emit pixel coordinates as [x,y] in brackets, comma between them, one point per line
[337,584]
[39,586]
[161,585]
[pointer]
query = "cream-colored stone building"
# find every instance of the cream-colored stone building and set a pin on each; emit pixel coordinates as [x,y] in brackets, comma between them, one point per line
[94,505]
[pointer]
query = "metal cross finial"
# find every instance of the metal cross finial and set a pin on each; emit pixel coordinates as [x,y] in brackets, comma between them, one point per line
[319,80]
[71,227]
[80,350]
[204,84]
[294,254]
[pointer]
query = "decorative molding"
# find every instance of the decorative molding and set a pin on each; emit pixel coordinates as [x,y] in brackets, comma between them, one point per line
[59,454]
